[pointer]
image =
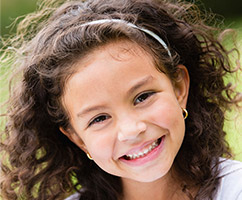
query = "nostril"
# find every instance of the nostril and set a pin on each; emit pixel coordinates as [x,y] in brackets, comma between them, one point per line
[141,126]
[121,137]
[127,135]
[130,131]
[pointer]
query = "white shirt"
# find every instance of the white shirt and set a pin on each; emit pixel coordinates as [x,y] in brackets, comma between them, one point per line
[230,187]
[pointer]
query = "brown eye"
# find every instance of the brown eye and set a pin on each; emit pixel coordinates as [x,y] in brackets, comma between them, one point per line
[99,119]
[143,97]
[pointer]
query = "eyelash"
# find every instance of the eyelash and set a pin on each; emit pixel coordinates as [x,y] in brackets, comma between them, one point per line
[101,118]
[98,119]
[144,95]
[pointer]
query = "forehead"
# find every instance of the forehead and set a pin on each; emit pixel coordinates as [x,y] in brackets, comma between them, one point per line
[121,50]
[112,61]
[117,60]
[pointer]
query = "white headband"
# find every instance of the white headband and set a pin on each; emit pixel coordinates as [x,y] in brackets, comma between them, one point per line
[102,21]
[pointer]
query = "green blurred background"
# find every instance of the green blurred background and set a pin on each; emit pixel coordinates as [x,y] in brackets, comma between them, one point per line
[10,9]
[230,10]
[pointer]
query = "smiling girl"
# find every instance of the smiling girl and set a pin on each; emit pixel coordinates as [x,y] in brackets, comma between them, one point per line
[102,106]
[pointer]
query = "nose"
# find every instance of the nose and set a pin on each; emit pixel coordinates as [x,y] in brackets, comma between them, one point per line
[130,129]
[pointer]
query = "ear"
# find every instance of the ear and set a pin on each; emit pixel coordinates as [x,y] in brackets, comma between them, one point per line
[74,137]
[181,86]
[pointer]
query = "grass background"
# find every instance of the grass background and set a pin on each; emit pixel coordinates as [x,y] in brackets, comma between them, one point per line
[233,125]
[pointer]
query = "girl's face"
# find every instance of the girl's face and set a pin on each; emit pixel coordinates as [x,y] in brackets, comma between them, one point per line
[126,113]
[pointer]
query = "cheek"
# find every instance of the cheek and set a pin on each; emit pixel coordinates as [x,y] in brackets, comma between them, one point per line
[100,145]
[97,144]
[166,113]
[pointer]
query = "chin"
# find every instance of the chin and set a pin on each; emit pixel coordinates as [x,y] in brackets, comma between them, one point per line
[152,177]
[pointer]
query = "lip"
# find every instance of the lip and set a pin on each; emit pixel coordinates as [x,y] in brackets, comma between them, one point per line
[139,148]
[147,158]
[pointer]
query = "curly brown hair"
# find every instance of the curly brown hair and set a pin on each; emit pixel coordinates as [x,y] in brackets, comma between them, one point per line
[39,162]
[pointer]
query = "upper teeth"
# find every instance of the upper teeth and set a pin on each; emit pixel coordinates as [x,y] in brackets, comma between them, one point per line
[143,152]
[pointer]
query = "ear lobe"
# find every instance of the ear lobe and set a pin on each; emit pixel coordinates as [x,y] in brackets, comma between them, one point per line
[72,135]
[181,86]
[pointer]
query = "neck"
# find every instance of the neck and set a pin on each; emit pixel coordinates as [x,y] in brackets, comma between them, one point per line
[160,189]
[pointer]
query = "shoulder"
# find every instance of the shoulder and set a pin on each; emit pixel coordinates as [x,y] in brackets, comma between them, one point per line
[230,186]
[75,196]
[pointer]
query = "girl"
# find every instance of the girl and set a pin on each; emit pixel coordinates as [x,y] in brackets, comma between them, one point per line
[102,106]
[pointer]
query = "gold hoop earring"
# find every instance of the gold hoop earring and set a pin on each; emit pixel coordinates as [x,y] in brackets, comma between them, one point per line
[89,156]
[185,113]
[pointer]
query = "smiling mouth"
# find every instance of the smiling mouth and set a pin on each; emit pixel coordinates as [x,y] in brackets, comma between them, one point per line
[144,152]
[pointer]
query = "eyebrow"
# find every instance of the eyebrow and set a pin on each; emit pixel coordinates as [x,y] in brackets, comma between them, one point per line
[90,109]
[138,85]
